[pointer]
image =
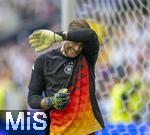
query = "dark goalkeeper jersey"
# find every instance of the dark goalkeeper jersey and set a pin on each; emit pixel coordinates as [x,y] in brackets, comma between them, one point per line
[53,71]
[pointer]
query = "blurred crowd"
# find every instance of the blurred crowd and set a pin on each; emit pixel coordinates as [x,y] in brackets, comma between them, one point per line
[123,66]
[16,57]
[15,69]
[123,72]
[19,14]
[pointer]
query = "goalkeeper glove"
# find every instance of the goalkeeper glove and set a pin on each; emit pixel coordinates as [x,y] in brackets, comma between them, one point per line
[59,100]
[42,39]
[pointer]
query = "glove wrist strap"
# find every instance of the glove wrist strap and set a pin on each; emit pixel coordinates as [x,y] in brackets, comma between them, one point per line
[48,103]
[57,38]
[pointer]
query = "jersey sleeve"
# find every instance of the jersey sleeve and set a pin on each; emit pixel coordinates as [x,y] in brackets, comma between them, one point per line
[36,84]
[89,39]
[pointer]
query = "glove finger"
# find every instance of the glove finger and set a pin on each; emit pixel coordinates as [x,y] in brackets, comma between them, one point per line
[41,48]
[64,90]
[65,98]
[37,33]
[35,45]
[63,95]
[34,40]
[32,37]
[58,100]
[62,106]
[64,102]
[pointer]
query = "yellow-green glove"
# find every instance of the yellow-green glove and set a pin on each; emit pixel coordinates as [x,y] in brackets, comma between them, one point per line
[63,90]
[58,101]
[42,39]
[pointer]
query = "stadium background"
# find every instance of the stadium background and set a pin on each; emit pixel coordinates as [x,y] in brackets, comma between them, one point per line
[123,66]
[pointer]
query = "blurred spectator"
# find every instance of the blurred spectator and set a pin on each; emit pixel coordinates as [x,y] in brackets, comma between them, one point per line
[124,55]
[17,19]
[24,12]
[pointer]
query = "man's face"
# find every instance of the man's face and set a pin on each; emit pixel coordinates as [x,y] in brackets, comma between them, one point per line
[72,49]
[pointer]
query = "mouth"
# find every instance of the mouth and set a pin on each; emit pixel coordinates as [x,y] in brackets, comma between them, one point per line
[72,53]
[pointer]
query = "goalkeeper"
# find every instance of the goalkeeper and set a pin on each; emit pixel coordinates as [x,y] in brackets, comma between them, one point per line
[66,75]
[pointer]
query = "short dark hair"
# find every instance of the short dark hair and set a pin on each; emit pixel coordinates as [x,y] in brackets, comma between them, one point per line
[78,23]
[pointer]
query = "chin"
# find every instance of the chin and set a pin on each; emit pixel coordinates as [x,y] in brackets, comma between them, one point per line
[72,56]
